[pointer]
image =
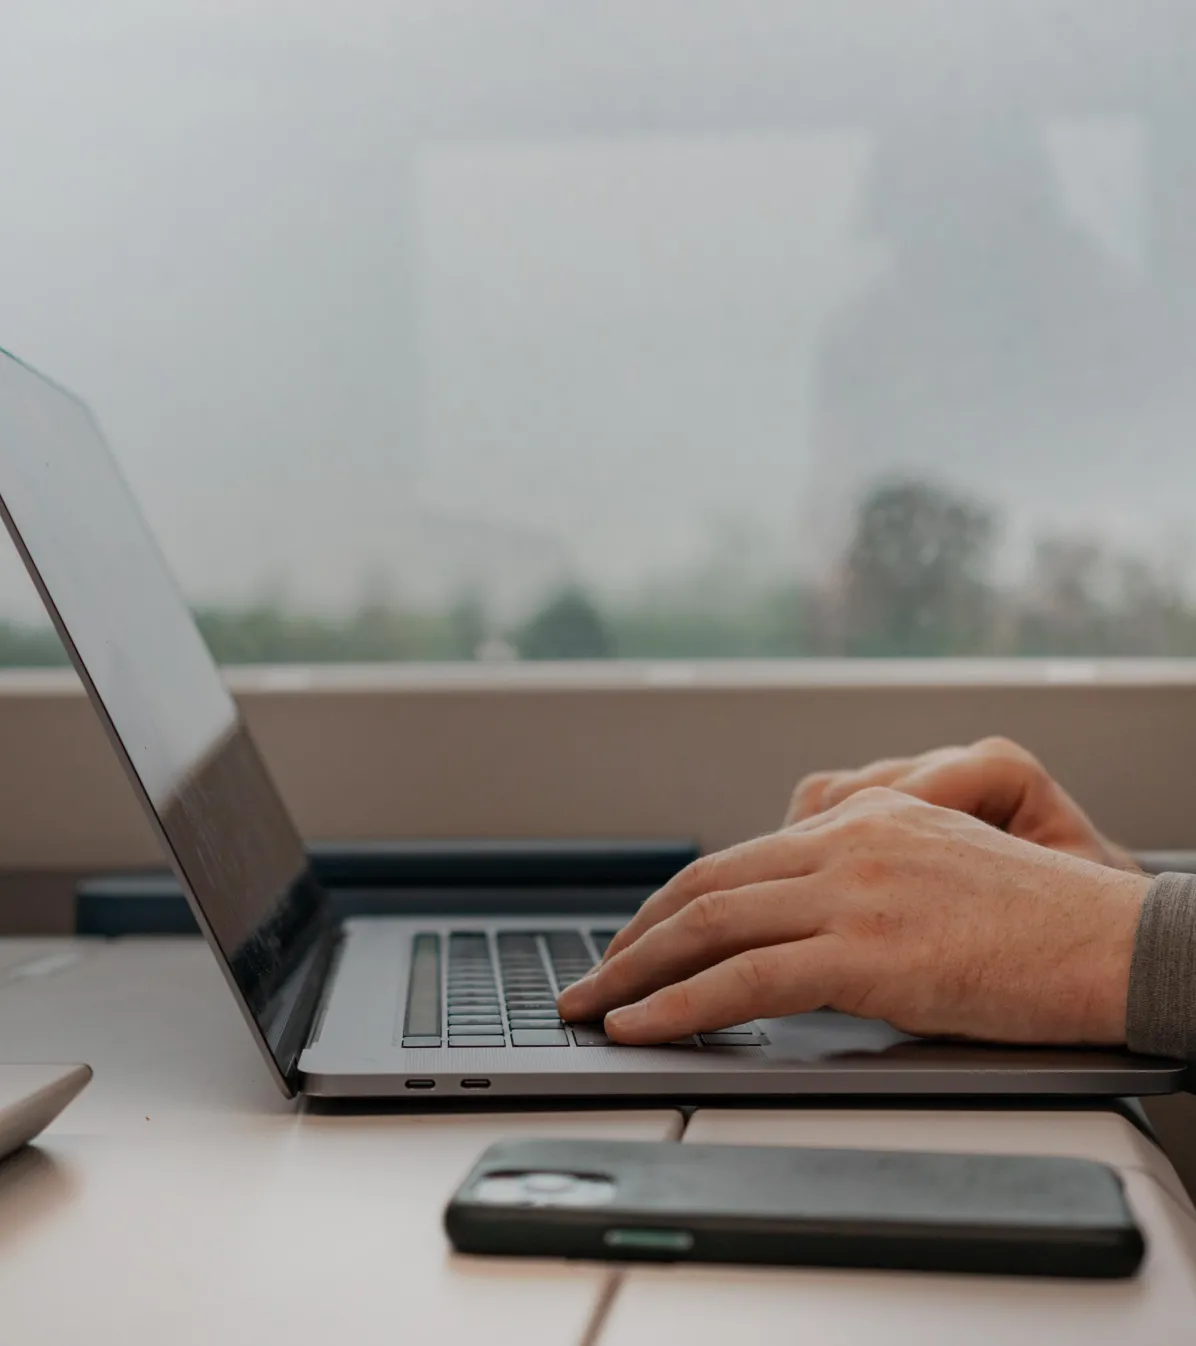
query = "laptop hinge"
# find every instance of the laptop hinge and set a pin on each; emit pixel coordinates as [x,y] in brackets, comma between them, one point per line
[299,1005]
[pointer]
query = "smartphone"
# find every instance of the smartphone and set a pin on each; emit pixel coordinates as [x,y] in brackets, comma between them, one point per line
[621,1201]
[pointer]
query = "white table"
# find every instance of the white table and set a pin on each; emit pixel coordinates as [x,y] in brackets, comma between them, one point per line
[181,1199]
[714,1306]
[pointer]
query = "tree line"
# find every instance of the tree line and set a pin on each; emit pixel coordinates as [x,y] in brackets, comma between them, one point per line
[917,577]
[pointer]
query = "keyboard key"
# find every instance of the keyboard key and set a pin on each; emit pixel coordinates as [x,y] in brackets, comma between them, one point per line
[535,1023]
[475,1021]
[518,944]
[490,1040]
[602,939]
[565,946]
[547,1037]
[731,1039]
[569,956]
[421,1042]
[590,1035]
[423,989]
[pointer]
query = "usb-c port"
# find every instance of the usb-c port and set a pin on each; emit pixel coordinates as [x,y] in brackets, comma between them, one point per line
[475,1084]
[421,1084]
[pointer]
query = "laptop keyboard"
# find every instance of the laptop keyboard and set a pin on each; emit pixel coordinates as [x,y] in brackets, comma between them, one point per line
[469,989]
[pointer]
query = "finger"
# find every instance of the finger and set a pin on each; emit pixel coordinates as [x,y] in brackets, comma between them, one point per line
[778,855]
[707,931]
[993,788]
[758,984]
[879,775]
[806,799]
[825,789]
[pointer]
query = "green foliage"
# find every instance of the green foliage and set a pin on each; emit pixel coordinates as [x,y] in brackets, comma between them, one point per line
[374,633]
[568,626]
[769,622]
[915,576]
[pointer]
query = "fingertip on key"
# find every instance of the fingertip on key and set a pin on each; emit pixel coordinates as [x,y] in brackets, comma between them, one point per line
[570,1004]
[627,1018]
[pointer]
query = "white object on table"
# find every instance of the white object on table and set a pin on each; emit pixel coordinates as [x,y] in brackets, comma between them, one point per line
[180,1200]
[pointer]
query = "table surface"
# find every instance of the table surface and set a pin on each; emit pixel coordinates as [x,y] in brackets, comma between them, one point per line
[708,1305]
[181,1199]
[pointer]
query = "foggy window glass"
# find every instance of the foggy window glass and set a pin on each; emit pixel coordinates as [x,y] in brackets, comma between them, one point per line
[455,329]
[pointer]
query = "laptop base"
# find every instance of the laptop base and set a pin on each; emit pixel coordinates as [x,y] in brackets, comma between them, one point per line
[357,1049]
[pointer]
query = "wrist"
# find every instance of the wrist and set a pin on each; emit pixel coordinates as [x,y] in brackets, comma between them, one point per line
[1110,955]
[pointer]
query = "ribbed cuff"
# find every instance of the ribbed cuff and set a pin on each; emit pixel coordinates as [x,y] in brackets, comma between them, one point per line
[1161,1012]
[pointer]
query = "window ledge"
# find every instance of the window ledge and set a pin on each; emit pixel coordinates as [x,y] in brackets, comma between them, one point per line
[666,675]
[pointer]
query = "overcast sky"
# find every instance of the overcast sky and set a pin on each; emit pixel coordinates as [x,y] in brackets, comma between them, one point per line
[456,294]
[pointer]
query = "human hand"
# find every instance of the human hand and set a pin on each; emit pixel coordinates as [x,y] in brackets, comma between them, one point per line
[995,780]
[887,908]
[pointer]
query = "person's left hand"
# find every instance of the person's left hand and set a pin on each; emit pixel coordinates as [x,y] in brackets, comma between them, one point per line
[884,907]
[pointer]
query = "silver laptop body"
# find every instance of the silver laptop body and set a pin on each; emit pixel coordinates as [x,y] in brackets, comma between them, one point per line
[424,1008]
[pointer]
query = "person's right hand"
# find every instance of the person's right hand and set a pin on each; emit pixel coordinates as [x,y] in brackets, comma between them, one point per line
[994,780]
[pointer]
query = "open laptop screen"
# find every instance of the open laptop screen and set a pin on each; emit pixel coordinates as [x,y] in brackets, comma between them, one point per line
[120,614]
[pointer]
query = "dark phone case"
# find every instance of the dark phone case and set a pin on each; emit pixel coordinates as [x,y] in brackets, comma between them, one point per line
[997,1214]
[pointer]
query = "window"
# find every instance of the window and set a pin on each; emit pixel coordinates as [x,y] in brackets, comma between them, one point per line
[480,330]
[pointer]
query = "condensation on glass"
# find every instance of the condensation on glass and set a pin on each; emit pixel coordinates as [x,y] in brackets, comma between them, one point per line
[870,321]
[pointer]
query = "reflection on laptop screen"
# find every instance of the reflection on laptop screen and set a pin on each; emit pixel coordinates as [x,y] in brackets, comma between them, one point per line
[118,610]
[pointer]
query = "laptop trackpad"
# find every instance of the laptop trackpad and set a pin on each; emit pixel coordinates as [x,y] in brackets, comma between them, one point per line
[825,1034]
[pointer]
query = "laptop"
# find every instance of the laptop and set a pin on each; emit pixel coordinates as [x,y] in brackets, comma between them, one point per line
[424,1007]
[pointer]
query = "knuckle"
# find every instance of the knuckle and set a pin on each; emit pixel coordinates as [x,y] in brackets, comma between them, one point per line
[709,916]
[698,876]
[839,788]
[807,796]
[875,808]
[680,1002]
[873,815]
[1006,750]
[754,970]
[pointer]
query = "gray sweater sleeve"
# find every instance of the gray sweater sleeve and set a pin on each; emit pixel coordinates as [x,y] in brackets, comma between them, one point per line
[1161,1013]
